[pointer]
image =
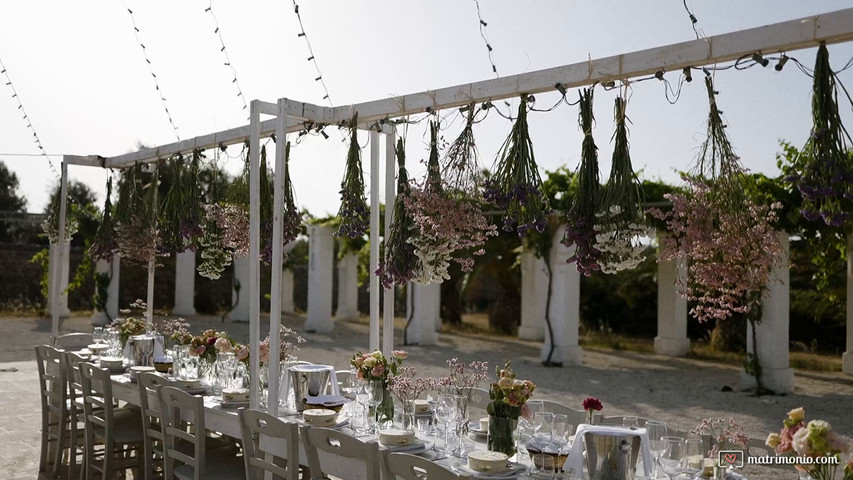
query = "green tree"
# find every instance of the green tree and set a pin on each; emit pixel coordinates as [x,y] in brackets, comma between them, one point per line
[11,204]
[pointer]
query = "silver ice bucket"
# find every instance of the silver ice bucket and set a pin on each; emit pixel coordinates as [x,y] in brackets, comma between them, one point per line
[611,457]
[142,347]
[309,380]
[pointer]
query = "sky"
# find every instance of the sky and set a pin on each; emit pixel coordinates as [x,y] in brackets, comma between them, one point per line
[82,78]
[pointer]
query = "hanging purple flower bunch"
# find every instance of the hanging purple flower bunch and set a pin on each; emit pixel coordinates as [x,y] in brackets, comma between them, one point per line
[136,215]
[399,262]
[826,178]
[354,211]
[104,246]
[580,221]
[291,221]
[515,186]
[181,213]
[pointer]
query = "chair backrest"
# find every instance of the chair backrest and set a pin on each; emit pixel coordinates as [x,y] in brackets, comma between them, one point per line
[413,467]
[97,414]
[575,417]
[148,383]
[52,381]
[264,434]
[71,363]
[73,340]
[332,452]
[175,405]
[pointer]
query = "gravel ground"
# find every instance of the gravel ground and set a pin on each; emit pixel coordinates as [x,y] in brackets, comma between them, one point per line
[677,390]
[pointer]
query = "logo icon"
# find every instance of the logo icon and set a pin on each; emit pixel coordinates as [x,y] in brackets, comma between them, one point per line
[730,458]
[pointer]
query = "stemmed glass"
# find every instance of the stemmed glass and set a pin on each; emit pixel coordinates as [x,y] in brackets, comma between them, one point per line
[542,436]
[694,457]
[672,459]
[656,431]
[445,413]
[375,394]
[98,335]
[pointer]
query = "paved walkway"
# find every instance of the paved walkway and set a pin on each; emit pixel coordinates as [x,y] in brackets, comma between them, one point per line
[678,390]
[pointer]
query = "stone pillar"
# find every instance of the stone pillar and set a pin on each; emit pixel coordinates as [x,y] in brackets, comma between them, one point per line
[565,306]
[112,290]
[847,357]
[287,305]
[347,287]
[534,291]
[240,293]
[184,284]
[672,308]
[64,312]
[426,302]
[772,332]
[321,256]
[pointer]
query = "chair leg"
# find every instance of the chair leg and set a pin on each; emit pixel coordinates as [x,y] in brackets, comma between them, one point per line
[59,446]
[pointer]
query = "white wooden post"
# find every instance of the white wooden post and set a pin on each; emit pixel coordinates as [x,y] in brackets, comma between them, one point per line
[241,296]
[321,254]
[101,317]
[54,274]
[374,240]
[184,284]
[772,332]
[672,308]
[347,287]
[426,302]
[534,293]
[112,290]
[847,357]
[388,294]
[565,306]
[62,271]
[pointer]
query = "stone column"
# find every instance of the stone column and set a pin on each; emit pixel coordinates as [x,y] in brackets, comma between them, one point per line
[426,302]
[534,291]
[64,270]
[565,306]
[347,287]
[112,290]
[772,332]
[672,308]
[321,255]
[240,296]
[184,284]
[287,305]
[847,357]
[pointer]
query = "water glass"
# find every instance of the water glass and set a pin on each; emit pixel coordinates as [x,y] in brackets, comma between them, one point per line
[423,428]
[672,459]
[375,395]
[189,367]
[445,414]
[694,456]
[98,335]
[560,430]
[630,422]
[657,445]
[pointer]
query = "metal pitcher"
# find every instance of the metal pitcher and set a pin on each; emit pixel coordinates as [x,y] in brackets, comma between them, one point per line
[143,350]
[309,380]
[611,457]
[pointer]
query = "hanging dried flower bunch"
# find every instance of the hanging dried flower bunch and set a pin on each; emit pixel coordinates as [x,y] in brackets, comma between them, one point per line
[181,213]
[726,238]
[354,211]
[580,222]
[826,169]
[50,226]
[620,223]
[515,186]
[399,262]
[104,245]
[449,225]
[291,221]
[136,216]
[214,256]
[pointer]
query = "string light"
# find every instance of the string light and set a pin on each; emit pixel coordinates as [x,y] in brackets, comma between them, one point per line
[782,61]
[218,32]
[485,37]
[26,118]
[153,75]
[311,57]
[693,20]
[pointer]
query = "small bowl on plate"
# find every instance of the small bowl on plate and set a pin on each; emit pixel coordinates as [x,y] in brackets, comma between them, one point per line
[487,461]
[234,395]
[328,402]
[112,363]
[98,349]
[137,369]
[396,437]
[319,417]
[188,384]
[163,364]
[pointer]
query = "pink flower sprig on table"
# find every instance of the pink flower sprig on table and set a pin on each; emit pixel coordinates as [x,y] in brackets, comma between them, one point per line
[289,345]
[725,434]
[466,377]
[406,387]
[376,366]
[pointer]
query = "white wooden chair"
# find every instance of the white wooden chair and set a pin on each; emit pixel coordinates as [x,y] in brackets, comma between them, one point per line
[119,430]
[71,341]
[177,405]
[261,431]
[153,434]
[413,467]
[575,417]
[332,452]
[71,363]
[54,409]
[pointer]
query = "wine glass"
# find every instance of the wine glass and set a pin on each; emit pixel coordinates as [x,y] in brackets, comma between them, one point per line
[375,395]
[445,413]
[656,431]
[560,431]
[98,334]
[359,410]
[694,457]
[541,437]
[672,458]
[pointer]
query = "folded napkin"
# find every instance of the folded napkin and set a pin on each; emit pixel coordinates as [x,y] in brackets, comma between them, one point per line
[576,458]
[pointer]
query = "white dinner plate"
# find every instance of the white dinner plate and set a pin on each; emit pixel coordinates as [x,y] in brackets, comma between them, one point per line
[514,471]
[474,429]
[243,404]
[199,391]
[416,447]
